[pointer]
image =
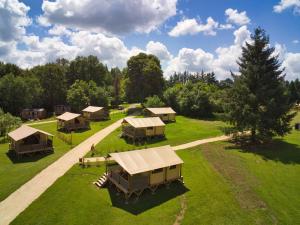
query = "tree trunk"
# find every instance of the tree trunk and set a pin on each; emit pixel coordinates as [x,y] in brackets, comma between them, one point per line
[253,135]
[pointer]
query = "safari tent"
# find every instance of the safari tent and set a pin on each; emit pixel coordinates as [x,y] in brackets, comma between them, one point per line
[95,113]
[166,114]
[134,171]
[33,114]
[72,121]
[27,139]
[60,109]
[139,128]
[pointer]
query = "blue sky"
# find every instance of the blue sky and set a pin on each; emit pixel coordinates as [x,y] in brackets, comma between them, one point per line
[185,34]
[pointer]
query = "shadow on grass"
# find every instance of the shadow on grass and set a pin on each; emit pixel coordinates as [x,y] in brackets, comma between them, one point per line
[64,131]
[145,142]
[147,200]
[27,158]
[278,150]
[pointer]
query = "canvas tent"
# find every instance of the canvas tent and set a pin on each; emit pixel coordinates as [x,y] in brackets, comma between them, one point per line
[138,128]
[60,109]
[134,171]
[166,114]
[33,114]
[71,121]
[27,139]
[95,113]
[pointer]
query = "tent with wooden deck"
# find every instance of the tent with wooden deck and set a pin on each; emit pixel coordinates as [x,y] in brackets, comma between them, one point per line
[95,113]
[139,128]
[27,139]
[134,171]
[33,114]
[166,114]
[72,121]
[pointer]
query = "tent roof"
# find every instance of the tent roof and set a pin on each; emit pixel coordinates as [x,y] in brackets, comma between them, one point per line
[68,116]
[144,122]
[140,161]
[25,131]
[92,109]
[164,110]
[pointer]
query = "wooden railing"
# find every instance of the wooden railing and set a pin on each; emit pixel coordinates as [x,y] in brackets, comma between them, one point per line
[119,179]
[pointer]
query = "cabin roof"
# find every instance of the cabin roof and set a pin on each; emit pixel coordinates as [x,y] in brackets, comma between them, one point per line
[145,160]
[68,116]
[144,122]
[162,110]
[92,109]
[25,131]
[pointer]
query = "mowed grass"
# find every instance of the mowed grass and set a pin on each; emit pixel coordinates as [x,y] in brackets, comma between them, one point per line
[73,199]
[14,172]
[182,131]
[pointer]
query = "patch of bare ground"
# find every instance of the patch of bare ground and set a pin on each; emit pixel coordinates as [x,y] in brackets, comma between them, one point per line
[241,181]
[183,207]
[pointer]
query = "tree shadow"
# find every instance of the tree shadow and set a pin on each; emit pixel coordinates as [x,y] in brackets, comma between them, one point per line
[278,150]
[27,158]
[147,200]
[145,141]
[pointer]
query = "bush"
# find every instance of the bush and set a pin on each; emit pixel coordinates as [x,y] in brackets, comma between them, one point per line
[154,101]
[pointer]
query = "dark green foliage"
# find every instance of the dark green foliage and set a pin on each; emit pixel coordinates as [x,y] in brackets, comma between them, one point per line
[88,68]
[8,122]
[258,100]
[53,81]
[183,78]
[294,89]
[154,101]
[117,77]
[190,99]
[19,92]
[82,93]
[6,68]
[144,77]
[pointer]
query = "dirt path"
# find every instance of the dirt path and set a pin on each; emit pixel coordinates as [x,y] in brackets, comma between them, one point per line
[180,216]
[19,200]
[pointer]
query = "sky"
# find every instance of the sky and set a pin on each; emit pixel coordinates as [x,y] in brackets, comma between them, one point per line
[192,35]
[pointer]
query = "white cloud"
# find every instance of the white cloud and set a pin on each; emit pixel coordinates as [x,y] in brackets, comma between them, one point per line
[227,26]
[59,30]
[239,18]
[13,20]
[292,65]
[296,42]
[114,17]
[192,26]
[285,4]
[158,49]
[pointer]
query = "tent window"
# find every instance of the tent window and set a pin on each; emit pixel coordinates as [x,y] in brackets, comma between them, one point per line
[172,167]
[157,170]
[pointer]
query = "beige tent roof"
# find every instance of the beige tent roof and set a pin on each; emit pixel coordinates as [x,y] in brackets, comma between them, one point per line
[68,116]
[92,109]
[144,122]
[25,131]
[140,161]
[164,110]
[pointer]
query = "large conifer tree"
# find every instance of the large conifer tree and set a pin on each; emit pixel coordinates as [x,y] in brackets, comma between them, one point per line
[258,101]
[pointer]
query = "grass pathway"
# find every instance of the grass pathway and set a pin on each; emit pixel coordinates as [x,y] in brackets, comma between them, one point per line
[19,200]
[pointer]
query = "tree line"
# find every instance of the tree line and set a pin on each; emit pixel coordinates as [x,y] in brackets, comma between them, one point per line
[258,95]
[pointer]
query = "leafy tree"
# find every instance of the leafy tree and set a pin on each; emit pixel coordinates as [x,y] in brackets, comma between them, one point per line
[144,77]
[53,81]
[171,96]
[294,89]
[154,101]
[117,78]
[6,68]
[82,93]
[258,100]
[19,92]
[8,122]
[88,68]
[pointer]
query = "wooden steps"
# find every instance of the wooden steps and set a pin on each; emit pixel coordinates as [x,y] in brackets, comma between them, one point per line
[100,183]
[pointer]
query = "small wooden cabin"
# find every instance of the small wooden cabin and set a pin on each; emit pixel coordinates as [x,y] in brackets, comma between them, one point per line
[139,128]
[95,113]
[60,109]
[134,171]
[166,114]
[33,114]
[72,121]
[27,139]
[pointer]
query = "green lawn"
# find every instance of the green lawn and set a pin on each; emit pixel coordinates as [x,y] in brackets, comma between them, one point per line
[182,131]
[15,172]
[223,185]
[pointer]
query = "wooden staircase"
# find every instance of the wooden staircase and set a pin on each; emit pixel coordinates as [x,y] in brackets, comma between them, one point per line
[100,183]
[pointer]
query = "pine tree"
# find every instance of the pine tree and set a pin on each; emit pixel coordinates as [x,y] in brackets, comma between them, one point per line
[258,101]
